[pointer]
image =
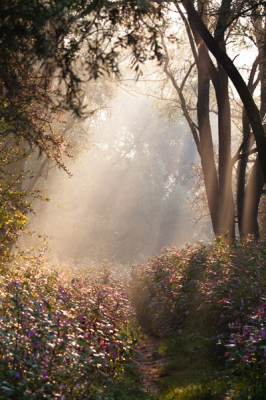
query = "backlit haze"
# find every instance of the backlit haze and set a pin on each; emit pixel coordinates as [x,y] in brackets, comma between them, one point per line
[130,185]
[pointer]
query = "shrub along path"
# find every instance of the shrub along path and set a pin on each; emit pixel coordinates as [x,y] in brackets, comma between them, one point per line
[208,305]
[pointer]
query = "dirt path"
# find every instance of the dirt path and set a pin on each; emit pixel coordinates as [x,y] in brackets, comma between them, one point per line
[149,364]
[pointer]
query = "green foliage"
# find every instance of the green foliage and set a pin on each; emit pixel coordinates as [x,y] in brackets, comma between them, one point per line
[190,373]
[214,297]
[48,39]
[15,199]
[60,337]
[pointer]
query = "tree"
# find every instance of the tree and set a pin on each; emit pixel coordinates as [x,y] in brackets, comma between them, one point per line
[249,195]
[224,60]
[218,183]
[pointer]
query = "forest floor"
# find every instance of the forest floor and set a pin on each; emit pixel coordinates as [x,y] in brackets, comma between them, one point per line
[177,368]
[150,364]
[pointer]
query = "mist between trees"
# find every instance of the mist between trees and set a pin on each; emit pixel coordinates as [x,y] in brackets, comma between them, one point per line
[128,194]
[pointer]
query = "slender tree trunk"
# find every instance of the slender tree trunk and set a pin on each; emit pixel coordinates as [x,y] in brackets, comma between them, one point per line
[241,174]
[207,151]
[227,207]
[249,205]
[205,131]
[252,200]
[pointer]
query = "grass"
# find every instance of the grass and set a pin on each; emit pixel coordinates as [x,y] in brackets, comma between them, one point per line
[189,374]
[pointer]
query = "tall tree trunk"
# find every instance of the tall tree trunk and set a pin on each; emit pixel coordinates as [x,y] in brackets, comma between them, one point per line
[251,199]
[241,174]
[206,143]
[227,208]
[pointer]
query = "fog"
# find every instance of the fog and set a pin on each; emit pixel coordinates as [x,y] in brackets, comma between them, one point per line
[129,191]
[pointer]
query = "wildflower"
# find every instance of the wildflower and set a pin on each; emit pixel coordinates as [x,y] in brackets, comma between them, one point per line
[114,354]
[31,333]
[263,333]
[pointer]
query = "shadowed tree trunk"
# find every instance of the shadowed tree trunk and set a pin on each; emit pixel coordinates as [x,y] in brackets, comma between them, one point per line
[205,134]
[221,84]
[249,193]
[251,202]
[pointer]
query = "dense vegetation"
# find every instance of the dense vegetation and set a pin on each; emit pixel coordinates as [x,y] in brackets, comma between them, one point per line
[61,337]
[66,337]
[211,300]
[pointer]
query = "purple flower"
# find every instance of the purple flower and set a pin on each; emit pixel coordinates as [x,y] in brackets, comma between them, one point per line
[263,333]
[31,333]
[17,374]
[114,354]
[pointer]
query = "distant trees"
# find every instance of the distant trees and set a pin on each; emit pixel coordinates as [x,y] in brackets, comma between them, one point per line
[128,194]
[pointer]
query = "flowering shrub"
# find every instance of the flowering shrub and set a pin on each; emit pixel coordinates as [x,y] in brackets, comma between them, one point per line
[247,356]
[218,292]
[218,283]
[60,338]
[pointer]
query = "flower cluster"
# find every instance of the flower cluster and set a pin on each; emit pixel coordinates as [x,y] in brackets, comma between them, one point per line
[60,338]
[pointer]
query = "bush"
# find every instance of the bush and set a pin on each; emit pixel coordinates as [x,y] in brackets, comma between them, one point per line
[60,338]
[216,292]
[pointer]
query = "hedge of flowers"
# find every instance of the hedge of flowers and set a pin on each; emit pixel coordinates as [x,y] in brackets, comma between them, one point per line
[60,338]
[217,290]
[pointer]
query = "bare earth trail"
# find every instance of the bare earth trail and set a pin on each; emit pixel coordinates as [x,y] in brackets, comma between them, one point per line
[150,363]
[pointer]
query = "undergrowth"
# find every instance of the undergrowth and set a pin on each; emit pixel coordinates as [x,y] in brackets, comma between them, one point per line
[64,337]
[70,332]
[210,300]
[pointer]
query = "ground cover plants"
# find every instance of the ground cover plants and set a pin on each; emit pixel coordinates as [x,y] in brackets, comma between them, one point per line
[210,299]
[62,337]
